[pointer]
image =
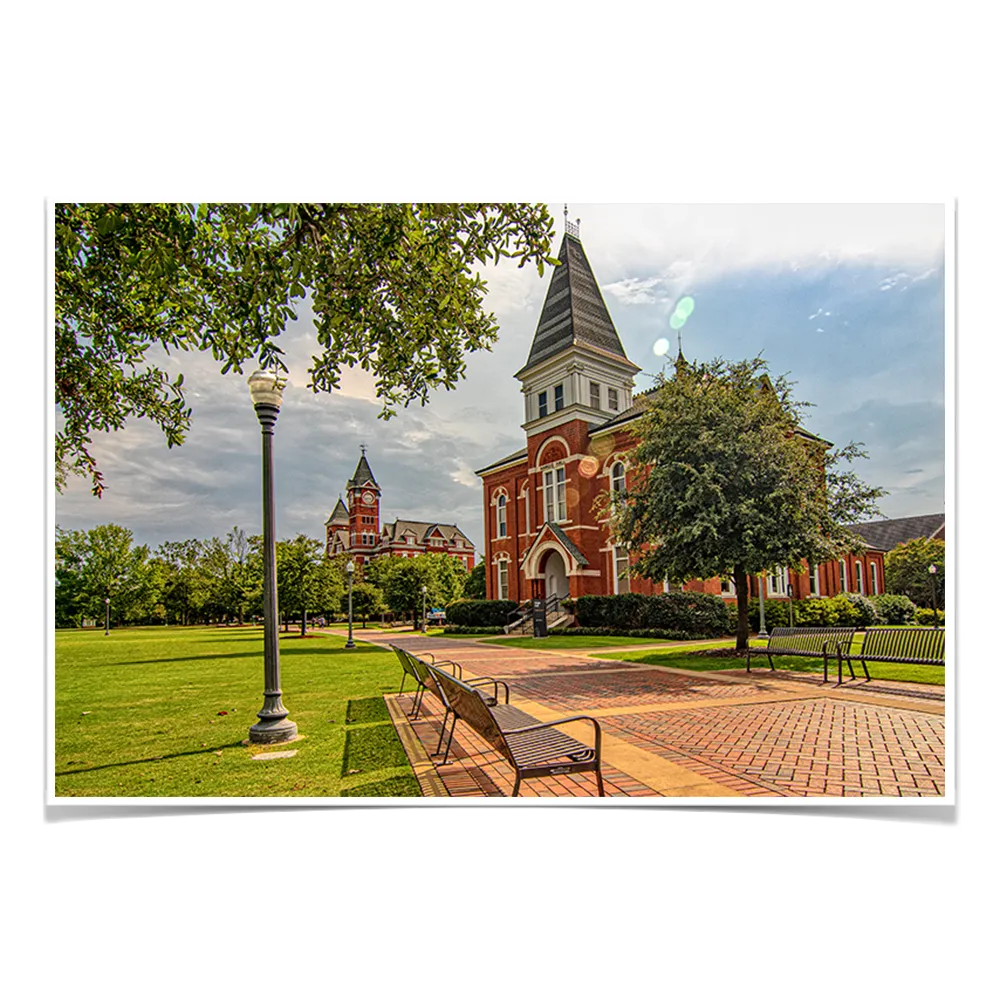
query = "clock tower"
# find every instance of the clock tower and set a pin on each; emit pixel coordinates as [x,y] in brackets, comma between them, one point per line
[363,495]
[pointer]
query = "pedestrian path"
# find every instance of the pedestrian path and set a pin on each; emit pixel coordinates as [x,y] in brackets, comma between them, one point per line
[671,732]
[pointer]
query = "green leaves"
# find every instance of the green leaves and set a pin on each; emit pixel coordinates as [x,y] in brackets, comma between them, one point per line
[395,289]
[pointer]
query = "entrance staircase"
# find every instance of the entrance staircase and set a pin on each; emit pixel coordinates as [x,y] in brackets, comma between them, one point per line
[520,622]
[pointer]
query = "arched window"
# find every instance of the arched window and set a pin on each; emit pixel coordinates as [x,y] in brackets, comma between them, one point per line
[617,481]
[501,516]
[502,581]
[859,575]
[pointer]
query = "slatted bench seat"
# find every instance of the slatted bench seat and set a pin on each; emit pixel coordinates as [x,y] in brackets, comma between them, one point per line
[882,644]
[427,680]
[817,642]
[534,749]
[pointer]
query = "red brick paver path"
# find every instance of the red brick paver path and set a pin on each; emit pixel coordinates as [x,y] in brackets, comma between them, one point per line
[766,735]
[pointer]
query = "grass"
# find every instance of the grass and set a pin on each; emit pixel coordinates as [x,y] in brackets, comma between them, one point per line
[574,642]
[682,659]
[166,711]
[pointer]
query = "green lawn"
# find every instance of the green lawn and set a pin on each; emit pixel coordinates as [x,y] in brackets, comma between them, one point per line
[574,641]
[165,711]
[685,661]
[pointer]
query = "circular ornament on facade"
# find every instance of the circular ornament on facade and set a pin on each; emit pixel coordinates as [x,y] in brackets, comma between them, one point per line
[368,497]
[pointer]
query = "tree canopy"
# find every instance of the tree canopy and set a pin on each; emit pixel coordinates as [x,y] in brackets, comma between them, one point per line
[725,482]
[907,571]
[394,289]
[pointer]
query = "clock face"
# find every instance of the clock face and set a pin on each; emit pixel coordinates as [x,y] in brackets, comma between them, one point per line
[368,497]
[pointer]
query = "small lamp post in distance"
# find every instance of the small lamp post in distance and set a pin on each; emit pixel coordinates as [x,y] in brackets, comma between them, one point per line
[423,623]
[932,569]
[107,615]
[349,568]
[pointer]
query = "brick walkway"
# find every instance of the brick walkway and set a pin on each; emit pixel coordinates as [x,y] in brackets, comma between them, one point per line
[679,733]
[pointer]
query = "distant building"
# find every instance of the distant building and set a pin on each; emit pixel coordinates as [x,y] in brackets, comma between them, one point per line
[356,528]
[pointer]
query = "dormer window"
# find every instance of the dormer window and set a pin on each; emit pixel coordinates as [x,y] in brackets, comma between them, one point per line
[558,397]
[543,404]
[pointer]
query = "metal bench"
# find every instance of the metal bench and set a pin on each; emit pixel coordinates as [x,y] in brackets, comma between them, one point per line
[881,644]
[825,642]
[534,749]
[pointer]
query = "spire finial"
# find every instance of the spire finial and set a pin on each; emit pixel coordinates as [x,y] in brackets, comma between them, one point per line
[363,447]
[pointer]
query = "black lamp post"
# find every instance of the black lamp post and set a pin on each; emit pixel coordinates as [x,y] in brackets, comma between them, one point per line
[791,613]
[107,615]
[932,569]
[350,604]
[762,634]
[423,624]
[274,725]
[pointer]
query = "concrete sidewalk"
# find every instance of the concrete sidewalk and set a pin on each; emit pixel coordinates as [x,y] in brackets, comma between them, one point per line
[677,733]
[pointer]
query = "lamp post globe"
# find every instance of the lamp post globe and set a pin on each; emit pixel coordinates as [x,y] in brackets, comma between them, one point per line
[274,725]
[350,603]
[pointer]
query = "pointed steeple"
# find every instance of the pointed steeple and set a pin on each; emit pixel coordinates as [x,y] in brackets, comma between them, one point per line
[340,513]
[681,361]
[363,475]
[574,313]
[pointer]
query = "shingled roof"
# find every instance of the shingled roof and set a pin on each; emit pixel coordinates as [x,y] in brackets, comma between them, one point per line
[886,535]
[574,312]
[517,456]
[340,514]
[363,475]
[422,530]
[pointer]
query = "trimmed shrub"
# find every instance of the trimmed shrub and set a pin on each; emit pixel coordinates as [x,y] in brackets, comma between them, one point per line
[681,614]
[866,611]
[925,616]
[479,613]
[473,630]
[635,633]
[894,609]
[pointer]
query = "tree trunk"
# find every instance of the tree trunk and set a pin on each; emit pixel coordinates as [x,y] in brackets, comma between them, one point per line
[742,607]
[303,621]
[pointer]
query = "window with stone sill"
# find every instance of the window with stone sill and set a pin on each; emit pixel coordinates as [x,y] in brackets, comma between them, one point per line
[555,494]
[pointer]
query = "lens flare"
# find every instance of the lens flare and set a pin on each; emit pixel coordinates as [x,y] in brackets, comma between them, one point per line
[661,347]
[589,466]
[682,311]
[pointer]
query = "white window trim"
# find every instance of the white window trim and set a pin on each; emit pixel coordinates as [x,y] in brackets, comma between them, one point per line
[814,581]
[503,579]
[874,578]
[859,576]
[618,580]
[843,576]
[782,577]
[501,516]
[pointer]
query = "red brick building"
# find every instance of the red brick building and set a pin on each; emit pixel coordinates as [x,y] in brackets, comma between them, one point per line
[356,527]
[542,535]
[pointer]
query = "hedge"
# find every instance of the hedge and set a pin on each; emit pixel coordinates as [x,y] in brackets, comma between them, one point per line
[473,630]
[843,610]
[634,633]
[479,613]
[684,615]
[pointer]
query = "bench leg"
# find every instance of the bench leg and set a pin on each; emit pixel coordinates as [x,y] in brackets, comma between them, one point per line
[600,782]
[769,660]
[868,676]
[402,683]
[444,727]
[447,746]
[517,784]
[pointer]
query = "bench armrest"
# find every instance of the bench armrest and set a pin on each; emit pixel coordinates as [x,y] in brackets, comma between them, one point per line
[496,685]
[447,663]
[559,722]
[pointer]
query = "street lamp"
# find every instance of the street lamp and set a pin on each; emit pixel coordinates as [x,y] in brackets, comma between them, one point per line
[423,624]
[932,569]
[762,634]
[274,725]
[107,615]
[350,604]
[791,617]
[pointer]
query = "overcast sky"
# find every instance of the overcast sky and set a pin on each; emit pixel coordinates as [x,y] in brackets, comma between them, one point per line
[846,299]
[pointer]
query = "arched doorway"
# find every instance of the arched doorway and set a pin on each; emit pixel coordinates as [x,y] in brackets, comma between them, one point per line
[555,575]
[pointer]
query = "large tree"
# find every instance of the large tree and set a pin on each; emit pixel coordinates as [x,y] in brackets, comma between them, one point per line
[725,482]
[907,571]
[306,579]
[394,288]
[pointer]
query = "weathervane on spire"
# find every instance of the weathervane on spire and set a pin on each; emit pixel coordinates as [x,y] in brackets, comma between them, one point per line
[572,229]
[363,447]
